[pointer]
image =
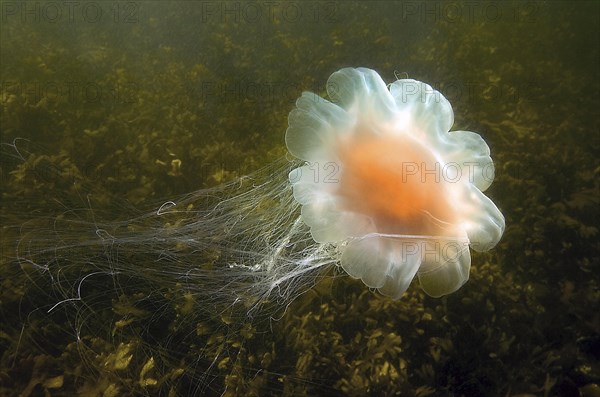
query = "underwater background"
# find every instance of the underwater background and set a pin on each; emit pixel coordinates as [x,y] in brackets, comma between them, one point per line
[117,106]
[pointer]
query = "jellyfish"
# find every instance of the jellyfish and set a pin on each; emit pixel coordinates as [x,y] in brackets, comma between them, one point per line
[388,183]
[378,186]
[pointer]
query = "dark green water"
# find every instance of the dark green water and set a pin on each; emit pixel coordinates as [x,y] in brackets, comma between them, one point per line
[118,105]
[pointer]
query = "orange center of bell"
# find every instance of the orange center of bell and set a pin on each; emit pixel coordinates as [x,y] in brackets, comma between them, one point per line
[396,181]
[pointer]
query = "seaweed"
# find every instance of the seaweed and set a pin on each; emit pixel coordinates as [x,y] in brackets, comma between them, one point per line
[170,110]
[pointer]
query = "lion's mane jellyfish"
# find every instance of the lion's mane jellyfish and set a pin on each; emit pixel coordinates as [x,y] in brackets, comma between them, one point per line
[381,188]
[389,186]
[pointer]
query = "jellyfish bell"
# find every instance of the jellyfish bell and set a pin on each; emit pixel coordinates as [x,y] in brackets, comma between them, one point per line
[388,183]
